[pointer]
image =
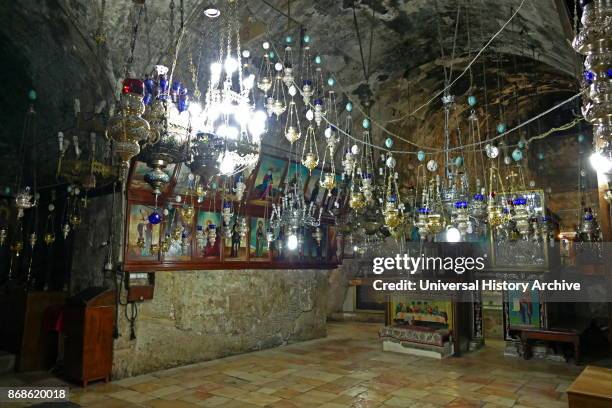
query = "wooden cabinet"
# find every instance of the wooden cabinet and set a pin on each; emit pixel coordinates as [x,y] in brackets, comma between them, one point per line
[22,331]
[89,321]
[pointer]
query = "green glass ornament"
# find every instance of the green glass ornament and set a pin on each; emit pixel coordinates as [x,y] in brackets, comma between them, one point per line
[289,39]
[458,161]
[517,155]
[421,155]
[318,60]
[389,143]
[541,156]
[32,95]
[581,138]
[366,123]
[501,128]
[306,39]
[349,107]
[331,81]
[472,100]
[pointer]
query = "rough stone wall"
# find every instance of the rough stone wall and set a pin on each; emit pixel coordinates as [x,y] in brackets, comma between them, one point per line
[202,315]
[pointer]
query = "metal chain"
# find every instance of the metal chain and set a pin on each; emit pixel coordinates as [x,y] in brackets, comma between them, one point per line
[130,59]
[171,28]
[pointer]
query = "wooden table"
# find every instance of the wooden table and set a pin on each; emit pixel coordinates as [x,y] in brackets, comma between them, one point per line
[592,389]
[559,336]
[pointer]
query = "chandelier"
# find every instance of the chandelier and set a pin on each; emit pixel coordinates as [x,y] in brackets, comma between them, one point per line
[230,121]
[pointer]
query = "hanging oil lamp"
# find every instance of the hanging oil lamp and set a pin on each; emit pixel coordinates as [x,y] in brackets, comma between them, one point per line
[49,237]
[288,77]
[265,71]
[292,124]
[310,158]
[211,234]
[307,71]
[276,103]
[521,216]
[127,128]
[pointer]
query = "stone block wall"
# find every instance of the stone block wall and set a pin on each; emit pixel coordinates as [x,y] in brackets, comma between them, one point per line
[202,315]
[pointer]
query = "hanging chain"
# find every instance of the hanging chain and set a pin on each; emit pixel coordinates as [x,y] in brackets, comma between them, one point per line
[171,28]
[100,38]
[130,59]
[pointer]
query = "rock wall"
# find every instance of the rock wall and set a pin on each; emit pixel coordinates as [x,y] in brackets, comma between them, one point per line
[202,315]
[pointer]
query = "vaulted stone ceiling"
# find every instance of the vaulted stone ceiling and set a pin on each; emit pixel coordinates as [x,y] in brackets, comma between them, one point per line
[68,49]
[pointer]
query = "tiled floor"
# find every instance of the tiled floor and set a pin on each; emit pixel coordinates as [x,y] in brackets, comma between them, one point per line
[346,369]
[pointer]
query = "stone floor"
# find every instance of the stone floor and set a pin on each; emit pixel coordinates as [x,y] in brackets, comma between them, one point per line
[346,369]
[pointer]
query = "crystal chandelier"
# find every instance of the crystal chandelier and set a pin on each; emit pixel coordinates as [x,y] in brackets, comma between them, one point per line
[230,119]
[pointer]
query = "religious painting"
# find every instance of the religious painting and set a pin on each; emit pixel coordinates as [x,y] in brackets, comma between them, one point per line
[523,309]
[269,178]
[143,237]
[137,181]
[178,232]
[258,244]
[431,313]
[314,192]
[236,241]
[296,171]
[208,235]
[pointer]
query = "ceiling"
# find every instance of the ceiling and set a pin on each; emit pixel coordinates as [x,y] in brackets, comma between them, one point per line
[66,49]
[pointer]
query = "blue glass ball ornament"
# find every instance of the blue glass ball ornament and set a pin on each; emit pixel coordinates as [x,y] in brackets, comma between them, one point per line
[479,197]
[366,123]
[461,204]
[458,161]
[155,218]
[349,107]
[472,100]
[424,210]
[32,95]
[389,143]
[517,155]
[288,39]
[541,156]
[519,201]
[581,138]
[318,60]
[306,39]
[589,76]
[331,81]
[501,128]
[421,155]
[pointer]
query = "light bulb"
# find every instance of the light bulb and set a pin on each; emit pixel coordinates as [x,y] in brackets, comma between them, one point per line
[292,242]
[231,65]
[453,235]
[600,163]
[246,54]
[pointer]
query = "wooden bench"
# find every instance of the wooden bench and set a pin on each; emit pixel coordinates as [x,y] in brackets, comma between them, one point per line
[592,389]
[556,336]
